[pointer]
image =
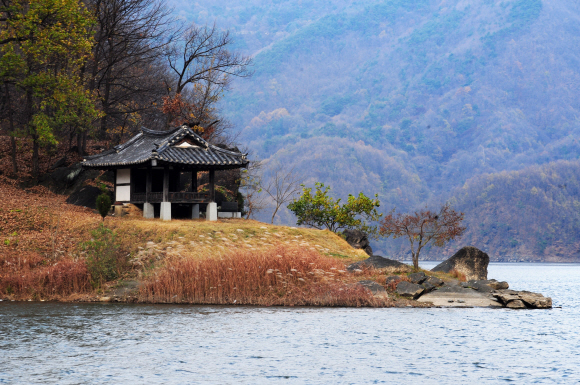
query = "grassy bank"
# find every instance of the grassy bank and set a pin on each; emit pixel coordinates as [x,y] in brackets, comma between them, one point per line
[54,251]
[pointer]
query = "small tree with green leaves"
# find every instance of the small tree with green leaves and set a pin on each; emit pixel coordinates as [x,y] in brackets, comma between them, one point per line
[104,202]
[320,211]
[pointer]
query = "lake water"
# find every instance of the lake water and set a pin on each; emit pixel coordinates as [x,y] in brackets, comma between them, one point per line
[143,344]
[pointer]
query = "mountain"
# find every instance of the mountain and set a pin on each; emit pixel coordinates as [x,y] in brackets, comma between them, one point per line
[407,99]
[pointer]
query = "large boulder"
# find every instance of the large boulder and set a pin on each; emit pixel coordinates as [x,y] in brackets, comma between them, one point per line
[417,278]
[469,261]
[374,287]
[86,196]
[377,262]
[408,289]
[358,240]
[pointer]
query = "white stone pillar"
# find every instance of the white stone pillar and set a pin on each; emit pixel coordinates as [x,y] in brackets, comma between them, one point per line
[195,212]
[148,211]
[165,211]
[211,212]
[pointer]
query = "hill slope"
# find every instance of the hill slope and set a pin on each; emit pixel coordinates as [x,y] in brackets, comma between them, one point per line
[405,99]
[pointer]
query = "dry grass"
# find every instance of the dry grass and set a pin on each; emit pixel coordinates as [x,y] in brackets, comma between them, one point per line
[457,274]
[195,238]
[287,276]
[31,277]
[41,257]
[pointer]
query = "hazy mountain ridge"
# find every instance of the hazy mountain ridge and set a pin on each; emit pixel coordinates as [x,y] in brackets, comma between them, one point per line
[405,99]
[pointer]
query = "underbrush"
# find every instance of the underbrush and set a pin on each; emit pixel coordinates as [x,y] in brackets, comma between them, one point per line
[33,277]
[281,276]
[104,259]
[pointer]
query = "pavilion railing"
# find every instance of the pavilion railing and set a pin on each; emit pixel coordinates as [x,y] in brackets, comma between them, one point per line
[178,197]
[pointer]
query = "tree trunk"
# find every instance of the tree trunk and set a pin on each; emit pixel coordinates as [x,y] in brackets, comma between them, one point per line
[84,143]
[273,215]
[12,138]
[80,143]
[14,163]
[35,149]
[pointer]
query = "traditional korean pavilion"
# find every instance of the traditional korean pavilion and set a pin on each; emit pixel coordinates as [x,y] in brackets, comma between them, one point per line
[149,167]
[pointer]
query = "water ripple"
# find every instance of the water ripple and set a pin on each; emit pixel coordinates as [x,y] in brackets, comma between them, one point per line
[112,343]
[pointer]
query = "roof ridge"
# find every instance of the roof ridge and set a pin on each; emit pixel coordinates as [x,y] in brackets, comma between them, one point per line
[149,131]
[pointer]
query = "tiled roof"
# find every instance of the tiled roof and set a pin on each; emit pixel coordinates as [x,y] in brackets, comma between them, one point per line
[161,146]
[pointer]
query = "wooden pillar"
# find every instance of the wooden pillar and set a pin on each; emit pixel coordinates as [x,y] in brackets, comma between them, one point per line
[212,185]
[166,184]
[148,182]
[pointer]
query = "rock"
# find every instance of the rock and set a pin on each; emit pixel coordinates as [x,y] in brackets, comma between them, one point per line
[486,285]
[495,285]
[59,163]
[516,304]
[86,196]
[469,261]
[417,278]
[376,262]
[532,300]
[536,300]
[428,287]
[408,289]
[482,286]
[358,240]
[434,281]
[374,287]
[393,278]
[459,297]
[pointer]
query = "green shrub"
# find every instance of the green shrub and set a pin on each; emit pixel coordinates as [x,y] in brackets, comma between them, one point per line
[103,202]
[102,258]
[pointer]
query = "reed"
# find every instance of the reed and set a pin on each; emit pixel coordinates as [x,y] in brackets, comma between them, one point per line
[33,277]
[286,276]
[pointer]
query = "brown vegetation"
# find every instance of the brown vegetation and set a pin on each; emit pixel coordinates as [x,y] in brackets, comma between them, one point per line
[30,276]
[280,276]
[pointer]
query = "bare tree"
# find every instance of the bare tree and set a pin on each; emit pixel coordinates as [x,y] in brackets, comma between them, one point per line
[126,65]
[283,185]
[251,187]
[423,227]
[201,66]
[203,53]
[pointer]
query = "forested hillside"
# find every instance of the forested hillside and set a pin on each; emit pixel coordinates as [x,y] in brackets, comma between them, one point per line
[408,99]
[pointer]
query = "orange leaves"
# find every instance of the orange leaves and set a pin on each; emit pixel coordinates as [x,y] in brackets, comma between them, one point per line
[423,227]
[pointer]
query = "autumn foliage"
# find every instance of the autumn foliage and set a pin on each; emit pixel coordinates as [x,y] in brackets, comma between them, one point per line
[424,227]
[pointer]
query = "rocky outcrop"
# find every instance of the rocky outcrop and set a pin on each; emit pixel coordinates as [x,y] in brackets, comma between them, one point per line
[469,261]
[417,278]
[480,294]
[434,281]
[486,286]
[523,299]
[358,240]
[86,196]
[377,262]
[408,289]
